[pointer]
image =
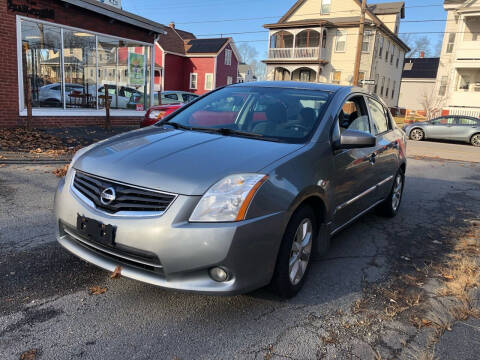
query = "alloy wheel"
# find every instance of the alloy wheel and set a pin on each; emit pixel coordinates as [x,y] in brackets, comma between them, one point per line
[416,134]
[476,140]
[300,252]
[397,192]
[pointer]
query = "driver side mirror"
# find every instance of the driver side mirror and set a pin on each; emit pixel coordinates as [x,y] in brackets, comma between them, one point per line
[353,139]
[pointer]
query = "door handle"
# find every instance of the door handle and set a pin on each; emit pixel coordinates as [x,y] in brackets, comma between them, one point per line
[372,158]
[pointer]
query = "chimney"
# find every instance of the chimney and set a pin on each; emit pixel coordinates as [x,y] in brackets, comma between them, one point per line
[172,25]
[422,54]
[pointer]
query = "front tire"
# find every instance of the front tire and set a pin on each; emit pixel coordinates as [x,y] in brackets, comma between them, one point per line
[390,206]
[417,134]
[293,261]
[475,140]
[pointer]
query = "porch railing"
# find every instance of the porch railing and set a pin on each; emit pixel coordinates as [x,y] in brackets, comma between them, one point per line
[311,53]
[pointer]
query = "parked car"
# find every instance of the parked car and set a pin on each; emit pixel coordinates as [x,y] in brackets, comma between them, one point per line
[167,97]
[51,95]
[452,127]
[234,191]
[156,113]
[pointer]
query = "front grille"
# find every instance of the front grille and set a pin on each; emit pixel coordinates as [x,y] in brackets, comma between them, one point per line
[127,198]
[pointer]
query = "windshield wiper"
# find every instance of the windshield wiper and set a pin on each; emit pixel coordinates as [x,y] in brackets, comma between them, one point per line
[233,132]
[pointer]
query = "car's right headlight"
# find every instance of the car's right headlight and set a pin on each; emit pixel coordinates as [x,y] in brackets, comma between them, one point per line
[228,200]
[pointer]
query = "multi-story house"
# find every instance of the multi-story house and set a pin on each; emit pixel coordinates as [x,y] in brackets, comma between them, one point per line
[458,80]
[316,41]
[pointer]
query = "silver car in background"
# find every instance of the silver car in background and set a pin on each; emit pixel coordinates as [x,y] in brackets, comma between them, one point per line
[452,127]
[235,190]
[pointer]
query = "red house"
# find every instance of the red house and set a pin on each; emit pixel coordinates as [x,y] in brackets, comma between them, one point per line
[183,62]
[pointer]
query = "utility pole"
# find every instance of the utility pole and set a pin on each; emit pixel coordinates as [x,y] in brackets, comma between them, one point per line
[356,71]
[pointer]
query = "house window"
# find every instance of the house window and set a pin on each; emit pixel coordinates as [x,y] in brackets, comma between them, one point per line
[366,41]
[229,80]
[451,43]
[228,57]
[336,77]
[393,89]
[398,60]
[464,83]
[208,81]
[387,91]
[376,84]
[380,47]
[393,54]
[383,86]
[340,41]
[80,80]
[472,29]
[387,49]
[193,81]
[326,6]
[443,86]
[305,75]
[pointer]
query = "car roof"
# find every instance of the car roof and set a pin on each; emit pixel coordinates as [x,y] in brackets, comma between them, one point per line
[302,85]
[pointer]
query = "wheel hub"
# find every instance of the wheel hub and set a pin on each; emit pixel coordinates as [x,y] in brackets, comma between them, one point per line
[300,252]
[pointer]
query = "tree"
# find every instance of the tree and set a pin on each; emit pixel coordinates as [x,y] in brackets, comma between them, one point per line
[247,53]
[417,44]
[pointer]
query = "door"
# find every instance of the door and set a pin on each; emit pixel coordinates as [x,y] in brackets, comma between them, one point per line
[386,150]
[441,128]
[467,126]
[354,180]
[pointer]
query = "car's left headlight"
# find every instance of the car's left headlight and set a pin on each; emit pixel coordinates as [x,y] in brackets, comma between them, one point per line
[228,199]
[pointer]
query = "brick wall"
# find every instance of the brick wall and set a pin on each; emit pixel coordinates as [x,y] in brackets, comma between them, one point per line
[71,16]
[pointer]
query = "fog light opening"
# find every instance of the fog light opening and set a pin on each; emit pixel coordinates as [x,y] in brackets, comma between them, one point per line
[218,274]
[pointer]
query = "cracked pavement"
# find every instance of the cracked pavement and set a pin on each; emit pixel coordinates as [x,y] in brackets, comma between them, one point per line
[340,313]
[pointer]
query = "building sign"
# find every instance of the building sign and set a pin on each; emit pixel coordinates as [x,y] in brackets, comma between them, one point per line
[30,7]
[116,3]
[136,69]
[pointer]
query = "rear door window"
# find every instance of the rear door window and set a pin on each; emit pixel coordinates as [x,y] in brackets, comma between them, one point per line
[469,121]
[379,116]
[171,96]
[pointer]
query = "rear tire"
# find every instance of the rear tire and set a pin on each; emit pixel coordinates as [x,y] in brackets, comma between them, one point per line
[475,140]
[295,254]
[417,134]
[390,206]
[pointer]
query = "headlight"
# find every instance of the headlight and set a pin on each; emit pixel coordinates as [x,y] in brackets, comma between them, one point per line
[156,114]
[228,199]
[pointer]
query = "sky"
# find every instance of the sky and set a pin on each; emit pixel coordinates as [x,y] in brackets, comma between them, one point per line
[199,16]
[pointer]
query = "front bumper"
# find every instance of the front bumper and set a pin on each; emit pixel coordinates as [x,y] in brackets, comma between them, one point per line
[178,253]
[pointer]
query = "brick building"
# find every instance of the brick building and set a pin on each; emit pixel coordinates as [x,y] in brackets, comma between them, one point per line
[68,53]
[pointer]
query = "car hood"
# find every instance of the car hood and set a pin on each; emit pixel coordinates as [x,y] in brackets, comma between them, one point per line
[177,161]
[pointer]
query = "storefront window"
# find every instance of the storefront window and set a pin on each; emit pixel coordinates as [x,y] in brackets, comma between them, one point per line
[91,65]
[42,53]
[79,58]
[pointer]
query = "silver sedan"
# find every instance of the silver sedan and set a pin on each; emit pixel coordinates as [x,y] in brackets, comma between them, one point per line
[235,190]
[457,128]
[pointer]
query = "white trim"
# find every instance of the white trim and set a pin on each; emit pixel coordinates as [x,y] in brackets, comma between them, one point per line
[215,74]
[82,112]
[164,71]
[21,92]
[196,81]
[62,67]
[64,111]
[152,76]
[212,87]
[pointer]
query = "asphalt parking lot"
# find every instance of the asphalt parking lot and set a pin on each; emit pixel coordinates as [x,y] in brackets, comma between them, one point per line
[45,304]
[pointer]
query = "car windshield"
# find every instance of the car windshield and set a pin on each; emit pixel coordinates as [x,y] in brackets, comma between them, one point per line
[275,114]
